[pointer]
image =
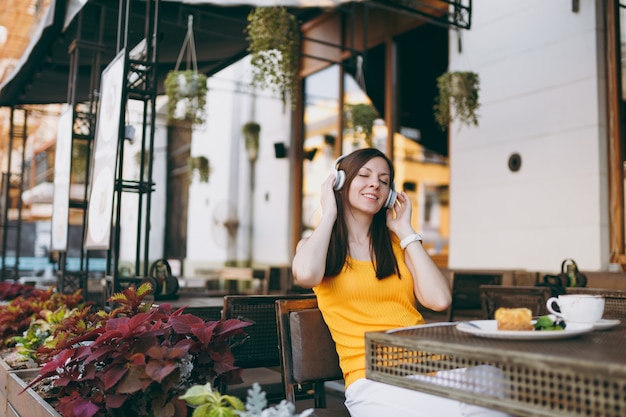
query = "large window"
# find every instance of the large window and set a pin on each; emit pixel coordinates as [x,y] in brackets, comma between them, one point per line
[321,124]
[354,105]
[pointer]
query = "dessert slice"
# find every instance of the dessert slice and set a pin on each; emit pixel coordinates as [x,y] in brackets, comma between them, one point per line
[514,318]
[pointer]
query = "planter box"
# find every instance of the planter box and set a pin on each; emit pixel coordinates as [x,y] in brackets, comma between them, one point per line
[27,403]
[5,371]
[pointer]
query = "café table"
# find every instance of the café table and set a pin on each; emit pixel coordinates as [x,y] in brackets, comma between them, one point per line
[584,375]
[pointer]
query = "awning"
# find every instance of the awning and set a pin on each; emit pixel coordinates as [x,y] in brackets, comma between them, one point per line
[42,75]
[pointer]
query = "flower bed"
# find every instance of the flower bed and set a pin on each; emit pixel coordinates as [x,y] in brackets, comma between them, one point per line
[137,359]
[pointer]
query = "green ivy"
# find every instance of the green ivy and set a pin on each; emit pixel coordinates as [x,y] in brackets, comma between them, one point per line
[274,37]
[457,99]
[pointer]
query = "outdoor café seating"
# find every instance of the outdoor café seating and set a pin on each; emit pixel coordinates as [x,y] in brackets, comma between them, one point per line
[258,354]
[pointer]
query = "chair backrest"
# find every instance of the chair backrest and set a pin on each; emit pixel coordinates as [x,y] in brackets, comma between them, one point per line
[260,349]
[210,313]
[614,300]
[513,296]
[465,290]
[308,353]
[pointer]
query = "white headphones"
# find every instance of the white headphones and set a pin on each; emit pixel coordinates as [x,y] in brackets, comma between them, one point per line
[340,179]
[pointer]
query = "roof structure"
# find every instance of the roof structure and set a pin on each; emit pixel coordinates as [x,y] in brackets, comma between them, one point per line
[42,74]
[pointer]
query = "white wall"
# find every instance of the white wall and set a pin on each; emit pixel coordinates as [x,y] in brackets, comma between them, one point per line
[230,104]
[542,81]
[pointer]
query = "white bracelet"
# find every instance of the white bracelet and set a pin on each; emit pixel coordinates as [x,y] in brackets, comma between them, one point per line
[409,239]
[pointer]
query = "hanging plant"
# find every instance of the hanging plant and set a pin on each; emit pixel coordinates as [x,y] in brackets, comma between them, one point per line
[200,164]
[274,37]
[80,155]
[186,93]
[186,89]
[457,99]
[360,118]
[251,131]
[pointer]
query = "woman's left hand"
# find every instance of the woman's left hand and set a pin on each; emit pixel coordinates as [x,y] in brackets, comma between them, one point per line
[399,216]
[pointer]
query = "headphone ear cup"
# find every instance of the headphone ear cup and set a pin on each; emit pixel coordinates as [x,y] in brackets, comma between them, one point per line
[339,180]
[391,198]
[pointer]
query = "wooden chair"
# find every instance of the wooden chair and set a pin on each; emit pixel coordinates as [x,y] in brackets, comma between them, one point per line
[308,352]
[465,291]
[614,300]
[513,296]
[258,354]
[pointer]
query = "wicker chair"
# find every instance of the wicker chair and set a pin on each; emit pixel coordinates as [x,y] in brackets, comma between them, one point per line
[614,300]
[308,353]
[258,354]
[465,291]
[513,296]
[212,313]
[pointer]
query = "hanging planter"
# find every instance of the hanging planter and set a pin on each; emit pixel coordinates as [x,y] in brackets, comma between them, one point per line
[186,89]
[186,93]
[274,37]
[201,165]
[458,98]
[360,118]
[251,131]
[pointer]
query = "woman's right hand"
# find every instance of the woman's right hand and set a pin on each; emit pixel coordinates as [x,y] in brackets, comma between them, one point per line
[309,263]
[328,199]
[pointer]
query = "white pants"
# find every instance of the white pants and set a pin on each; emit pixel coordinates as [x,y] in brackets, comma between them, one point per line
[367,398]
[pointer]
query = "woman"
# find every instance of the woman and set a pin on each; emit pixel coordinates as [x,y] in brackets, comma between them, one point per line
[367,267]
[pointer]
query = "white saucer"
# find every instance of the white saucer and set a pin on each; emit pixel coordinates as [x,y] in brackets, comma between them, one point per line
[604,324]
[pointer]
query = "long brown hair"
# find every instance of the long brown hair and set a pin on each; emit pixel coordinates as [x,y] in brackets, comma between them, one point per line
[383,258]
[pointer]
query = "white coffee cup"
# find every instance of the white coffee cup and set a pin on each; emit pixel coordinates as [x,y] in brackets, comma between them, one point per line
[579,308]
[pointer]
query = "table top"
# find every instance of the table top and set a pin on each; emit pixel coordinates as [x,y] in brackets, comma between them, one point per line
[584,375]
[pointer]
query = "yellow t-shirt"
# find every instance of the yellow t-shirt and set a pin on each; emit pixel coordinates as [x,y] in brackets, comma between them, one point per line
[355,302]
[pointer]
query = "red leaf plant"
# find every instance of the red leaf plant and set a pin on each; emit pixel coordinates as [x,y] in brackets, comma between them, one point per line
[138,360]
[16,316]
[10,290]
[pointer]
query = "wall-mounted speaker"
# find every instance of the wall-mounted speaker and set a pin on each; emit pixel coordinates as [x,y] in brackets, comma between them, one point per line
[280,150]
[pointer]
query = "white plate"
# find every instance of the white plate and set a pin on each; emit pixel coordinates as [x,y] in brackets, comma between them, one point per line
[604,324]
[489,328]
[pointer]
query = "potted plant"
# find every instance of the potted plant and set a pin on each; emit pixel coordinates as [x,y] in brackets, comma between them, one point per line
[201,165]
[206,402]
[186,96]
[274,37]
[360,119]
[137,359]
[251,131]
[457,99]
